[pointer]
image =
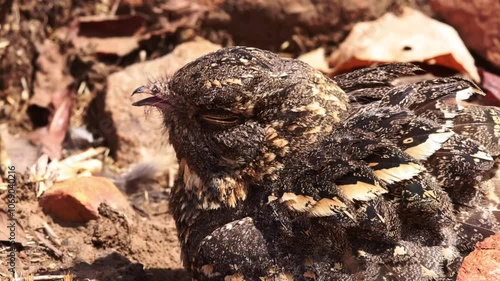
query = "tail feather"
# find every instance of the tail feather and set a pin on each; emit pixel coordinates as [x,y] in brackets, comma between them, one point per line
[482,124]
[380,76]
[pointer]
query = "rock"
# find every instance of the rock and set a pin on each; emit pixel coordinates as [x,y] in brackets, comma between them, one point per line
[477,22]
[483,264]
[133,135]
[78,199]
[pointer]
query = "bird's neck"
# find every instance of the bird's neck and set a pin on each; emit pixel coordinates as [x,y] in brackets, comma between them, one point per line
[222,191]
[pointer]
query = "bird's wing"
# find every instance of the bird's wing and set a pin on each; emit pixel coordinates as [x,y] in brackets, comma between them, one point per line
[462,162]
[371,84]
[378,198]
[444,100]
[375,178]
[470,135]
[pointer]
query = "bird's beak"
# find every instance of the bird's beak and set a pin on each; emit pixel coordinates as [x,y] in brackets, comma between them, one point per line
[153,100]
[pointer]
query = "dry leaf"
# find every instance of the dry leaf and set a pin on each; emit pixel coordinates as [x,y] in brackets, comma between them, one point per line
[52,136]
[132,3]
[491,84]
[108,35]
[174,15]
[411,37]
[51,79]
[316,59]
[82,164]
[44,173]
[51,94]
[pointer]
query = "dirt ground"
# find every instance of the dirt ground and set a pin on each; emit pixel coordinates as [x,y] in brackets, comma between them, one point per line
[113,247]
[140,246]
[47,73]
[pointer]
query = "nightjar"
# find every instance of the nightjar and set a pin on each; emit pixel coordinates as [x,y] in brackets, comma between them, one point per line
[285,174]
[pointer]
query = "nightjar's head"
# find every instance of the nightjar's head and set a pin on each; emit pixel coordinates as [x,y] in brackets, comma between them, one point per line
[236,115]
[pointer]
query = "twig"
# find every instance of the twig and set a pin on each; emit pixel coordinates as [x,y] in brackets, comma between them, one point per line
[49,245]
[52,235]
[114,8]
[41,277]
[89,153]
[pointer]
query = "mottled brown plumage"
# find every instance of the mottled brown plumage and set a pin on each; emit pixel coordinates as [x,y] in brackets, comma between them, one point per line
[288,175]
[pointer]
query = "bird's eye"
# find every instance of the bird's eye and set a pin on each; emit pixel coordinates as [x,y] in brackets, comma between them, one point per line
[221,118]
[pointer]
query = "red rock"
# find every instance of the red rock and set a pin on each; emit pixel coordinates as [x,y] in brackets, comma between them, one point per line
[476,21]
[77,199]
[483,264]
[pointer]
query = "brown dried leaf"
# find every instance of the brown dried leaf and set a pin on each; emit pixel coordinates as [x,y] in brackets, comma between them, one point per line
[118,46]
[132,3]
[51,91]
[51,79]
[108,35]
[316,59]
[52,136]
[491,84]
[182,14]
[411,37]
[104,26]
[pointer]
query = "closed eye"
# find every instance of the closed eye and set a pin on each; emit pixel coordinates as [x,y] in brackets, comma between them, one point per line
[223,118]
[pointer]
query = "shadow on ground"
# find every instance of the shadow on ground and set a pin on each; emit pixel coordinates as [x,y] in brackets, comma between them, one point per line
[116,267]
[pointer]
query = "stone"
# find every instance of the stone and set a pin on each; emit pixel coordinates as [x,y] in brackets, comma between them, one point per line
[78,199]
[483,264]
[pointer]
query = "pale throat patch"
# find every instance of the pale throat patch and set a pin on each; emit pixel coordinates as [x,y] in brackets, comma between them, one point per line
[229,189]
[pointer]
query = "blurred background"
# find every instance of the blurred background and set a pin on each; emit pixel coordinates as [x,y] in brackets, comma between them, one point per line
[67,69]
